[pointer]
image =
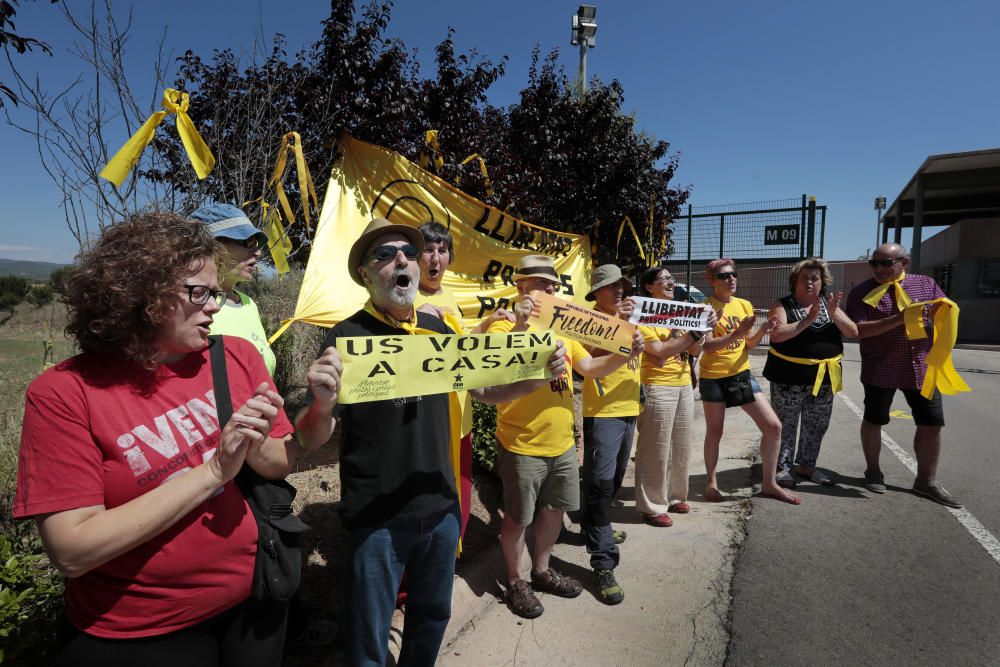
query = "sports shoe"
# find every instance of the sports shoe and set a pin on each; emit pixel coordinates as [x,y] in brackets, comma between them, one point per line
[551,581]
[619,535]
[875,481]
[936,492]
[522,601]
[611,592]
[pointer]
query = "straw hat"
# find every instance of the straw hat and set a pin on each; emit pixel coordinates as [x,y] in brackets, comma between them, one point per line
[378,227]
[604,275]
[536,266]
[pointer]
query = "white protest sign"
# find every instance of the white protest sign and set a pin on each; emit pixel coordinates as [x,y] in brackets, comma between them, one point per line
[670,314]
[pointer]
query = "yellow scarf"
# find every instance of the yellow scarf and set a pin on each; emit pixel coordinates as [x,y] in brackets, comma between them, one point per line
[902,300]
[454,407]
[941,373]
[832,365]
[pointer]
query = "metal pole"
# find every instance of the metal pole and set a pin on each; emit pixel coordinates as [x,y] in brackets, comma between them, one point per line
[918,224]
[822,230]
[689,252]
[722,234]
[812,226]
[583,65]
[802,230]
[878,226]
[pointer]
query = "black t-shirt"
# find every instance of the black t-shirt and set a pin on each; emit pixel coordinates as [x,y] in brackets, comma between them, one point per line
[395,459]
[821,340]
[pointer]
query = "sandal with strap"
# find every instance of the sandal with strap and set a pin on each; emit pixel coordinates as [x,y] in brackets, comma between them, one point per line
[551,581]
[522,601]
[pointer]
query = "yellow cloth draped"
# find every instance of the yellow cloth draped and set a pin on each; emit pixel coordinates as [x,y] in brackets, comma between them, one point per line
[831,366]
[482,170]
[293,142]
[454,407]
[902,300]
[621,229]
[175,102]
[431,139]
[941,373]
[278,242]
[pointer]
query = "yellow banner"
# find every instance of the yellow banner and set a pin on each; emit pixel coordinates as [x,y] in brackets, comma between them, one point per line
[377,368]
[590,327]
[371,182]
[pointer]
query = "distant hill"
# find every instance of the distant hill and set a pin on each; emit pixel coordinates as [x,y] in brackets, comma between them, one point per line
[27,269]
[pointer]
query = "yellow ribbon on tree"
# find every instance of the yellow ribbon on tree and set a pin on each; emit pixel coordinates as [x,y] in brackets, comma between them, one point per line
[293,142]
[831,365]
[635,235]
[902,300]
[278,243]
[454,406]
[941,373]
[431,139]
[175,102]
[482,170]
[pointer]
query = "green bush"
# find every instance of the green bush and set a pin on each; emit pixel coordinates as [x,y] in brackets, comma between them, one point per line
[13,289]
[58,278]
[484,442]
[30,596]
[41,295]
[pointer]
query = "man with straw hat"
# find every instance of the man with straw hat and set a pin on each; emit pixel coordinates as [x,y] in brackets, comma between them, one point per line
[536,457]
[399,503]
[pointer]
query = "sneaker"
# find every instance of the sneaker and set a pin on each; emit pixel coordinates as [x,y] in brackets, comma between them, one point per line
[522,601]
[551,581]
[658,520]
[611,592]
[875,481]
[936,492]
[619,535]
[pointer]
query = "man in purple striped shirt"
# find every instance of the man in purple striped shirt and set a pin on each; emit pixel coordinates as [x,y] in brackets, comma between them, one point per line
[890,361]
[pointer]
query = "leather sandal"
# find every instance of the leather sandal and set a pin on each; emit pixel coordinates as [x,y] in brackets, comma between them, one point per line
[522,601]
[551,581]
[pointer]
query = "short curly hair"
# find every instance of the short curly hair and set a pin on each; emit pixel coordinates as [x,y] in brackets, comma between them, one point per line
[810,263]
[121,290]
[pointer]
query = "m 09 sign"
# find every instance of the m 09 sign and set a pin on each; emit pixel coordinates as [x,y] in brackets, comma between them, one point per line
[781,235]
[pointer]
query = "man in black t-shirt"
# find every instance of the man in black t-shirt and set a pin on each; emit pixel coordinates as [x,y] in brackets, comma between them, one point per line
[400,508]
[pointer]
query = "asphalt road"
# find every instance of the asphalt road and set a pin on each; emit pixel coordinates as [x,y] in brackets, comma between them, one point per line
[851,577]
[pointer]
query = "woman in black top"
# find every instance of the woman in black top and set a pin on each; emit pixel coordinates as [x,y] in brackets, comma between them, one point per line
[807,331]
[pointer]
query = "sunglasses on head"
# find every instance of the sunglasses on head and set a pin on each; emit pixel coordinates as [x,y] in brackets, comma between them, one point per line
[884,262]
[384,252]
[726,276]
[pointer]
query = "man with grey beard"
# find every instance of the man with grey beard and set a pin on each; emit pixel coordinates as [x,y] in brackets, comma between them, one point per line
[399,504]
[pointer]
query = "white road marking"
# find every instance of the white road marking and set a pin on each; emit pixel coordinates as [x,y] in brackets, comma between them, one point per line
[978,531]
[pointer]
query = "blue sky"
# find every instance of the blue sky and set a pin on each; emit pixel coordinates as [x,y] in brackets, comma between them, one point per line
[763,100]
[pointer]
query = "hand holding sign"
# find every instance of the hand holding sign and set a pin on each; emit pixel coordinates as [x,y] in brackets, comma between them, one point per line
[590,327]
[324,378]
[646,311]
[626,308]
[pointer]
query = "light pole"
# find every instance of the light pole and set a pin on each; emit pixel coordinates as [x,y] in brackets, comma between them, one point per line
[879,207]
[585,35]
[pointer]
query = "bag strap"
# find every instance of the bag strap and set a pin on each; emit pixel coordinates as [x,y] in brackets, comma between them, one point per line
[220,379]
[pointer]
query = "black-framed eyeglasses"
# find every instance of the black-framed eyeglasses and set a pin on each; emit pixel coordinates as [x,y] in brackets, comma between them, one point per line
[884,262]
[726,276]
[665,279]
[384,252]
[199,295]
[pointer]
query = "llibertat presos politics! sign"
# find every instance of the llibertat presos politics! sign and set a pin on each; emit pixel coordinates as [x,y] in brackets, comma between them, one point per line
[670,314]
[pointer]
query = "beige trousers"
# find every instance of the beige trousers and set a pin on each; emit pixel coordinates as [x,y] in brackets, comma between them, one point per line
[664,447]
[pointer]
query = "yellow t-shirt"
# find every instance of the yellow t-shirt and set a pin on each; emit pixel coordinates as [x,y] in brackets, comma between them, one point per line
[733,358]
[541,423]
[453,318]
[614,395]
[673,371]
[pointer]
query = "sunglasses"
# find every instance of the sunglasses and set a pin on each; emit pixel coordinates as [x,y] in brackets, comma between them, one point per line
[252,243]
[384,252]
[726,276]
[884,262]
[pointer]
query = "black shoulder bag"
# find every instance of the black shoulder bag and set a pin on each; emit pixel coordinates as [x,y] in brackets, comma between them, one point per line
[278,566]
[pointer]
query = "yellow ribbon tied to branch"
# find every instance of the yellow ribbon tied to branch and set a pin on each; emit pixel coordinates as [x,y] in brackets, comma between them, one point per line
[941,373]
[621,229]
[431,139]
[902,300]
[175,102]
[482,170]
[278,243]
[293,142]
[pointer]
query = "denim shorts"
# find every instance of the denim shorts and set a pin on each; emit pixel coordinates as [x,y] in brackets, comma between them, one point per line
[711,390]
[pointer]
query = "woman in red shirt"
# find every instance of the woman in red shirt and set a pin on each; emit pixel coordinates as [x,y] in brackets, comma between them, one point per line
[126,471]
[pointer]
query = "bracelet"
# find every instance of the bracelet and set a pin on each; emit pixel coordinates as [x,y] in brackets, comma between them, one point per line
[697,335]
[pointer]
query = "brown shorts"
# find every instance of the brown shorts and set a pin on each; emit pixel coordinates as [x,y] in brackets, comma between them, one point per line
[549,482]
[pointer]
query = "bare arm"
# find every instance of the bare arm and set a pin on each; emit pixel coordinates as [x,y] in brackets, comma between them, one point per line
[844,324]
[714,343]
[879,327]
[508,392]
[315,423]
[598,367]
[84,538]
[783,330]
[691,342]
[275,457]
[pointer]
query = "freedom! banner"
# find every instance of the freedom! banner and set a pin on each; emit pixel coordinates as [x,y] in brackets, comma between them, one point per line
[377,368]
[590,327]
[670,314]
[371,182]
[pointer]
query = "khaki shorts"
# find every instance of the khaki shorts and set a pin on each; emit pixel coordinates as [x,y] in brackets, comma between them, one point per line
[550,482]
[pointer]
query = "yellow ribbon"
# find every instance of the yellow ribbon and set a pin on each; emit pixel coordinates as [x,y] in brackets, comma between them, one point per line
[482,170]
[431,139]
[635,235]
[278,243]
[293,142]
[941,373]
[454,406]
[175,102]
[831,365]
[902,300]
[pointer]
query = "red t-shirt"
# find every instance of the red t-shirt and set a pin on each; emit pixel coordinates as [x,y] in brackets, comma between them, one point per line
[92,437]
